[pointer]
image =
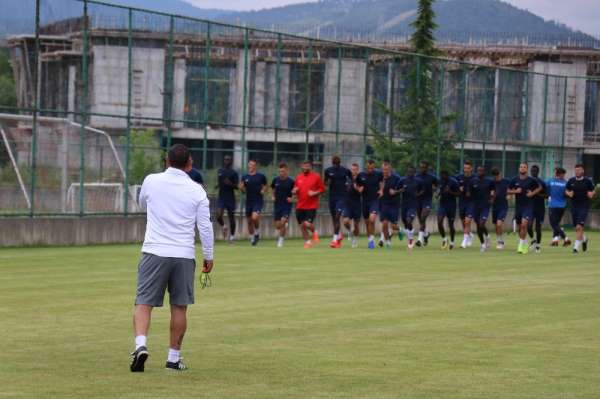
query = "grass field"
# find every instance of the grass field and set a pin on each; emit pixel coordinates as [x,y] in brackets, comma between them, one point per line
[310,324]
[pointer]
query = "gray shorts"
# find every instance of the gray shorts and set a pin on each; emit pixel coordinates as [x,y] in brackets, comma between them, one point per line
[156,274]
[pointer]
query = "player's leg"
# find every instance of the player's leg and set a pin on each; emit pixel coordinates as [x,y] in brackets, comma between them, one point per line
[539,220]
[373,212]
[408,223]
[220,221]
[335,220]
[231,217]
[423,215]
[178,326]
[452,229]
[579,216]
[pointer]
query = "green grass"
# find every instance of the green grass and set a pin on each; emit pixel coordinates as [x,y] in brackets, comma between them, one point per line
[310,324]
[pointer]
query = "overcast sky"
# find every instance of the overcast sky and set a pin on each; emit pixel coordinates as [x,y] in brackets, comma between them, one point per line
[579,14]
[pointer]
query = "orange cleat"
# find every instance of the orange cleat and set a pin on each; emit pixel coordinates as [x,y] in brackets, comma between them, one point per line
[307,245]
[341,238]
[316,237]
[335,244]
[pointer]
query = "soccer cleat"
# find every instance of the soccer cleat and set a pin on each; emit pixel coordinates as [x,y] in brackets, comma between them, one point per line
[483,248]
[400,235]
[554,243]
[451,246]
[538,248]
[308,245]
[138,358]
[341,238]
[371,245]
[444,244]
[419,243]
[463,244]
[533,244]
[525,249]
[426,240]
[575,251]
[500,245]
[567,242]
[176,366]
[520,248]
[354,243]
[316,239]
[335,244]
[280,242]
[254,240]
[584,245]
[380,243]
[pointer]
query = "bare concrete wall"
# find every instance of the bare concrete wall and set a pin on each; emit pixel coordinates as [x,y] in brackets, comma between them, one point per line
[121,230]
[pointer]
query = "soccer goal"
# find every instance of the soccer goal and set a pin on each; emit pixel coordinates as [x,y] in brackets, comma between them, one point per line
[101,198]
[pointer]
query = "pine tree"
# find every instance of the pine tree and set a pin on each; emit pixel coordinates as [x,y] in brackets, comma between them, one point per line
[419,121]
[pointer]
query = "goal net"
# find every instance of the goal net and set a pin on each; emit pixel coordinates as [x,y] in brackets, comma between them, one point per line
[102,198]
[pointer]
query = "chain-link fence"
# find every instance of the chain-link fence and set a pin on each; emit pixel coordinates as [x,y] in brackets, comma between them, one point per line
[104,92]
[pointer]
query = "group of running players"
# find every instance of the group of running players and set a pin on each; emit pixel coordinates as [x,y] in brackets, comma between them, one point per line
[384,194]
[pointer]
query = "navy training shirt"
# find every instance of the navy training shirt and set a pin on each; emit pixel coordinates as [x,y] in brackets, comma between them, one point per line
[447,187]
[539,201]
[354,197]
[196,176]
[228,180]
[282,190]
[336,178]
[527,184]
[254,184]
[429,181]
[370,181]
[580,188]
[392,182]
[466,183]
[501,188]
[482,191]
[412,187]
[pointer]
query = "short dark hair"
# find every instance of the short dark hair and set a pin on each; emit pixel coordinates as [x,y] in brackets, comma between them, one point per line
[178,156]
[308,161]
[253,160]
[282,165]
[336,160]
[560,171]
[386,162]
[535,167]
[579,165]
[467,162]
[495,171]
[355,164]
[370,162]
[426,163]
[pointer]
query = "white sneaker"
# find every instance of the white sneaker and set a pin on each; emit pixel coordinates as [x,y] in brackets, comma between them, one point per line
[354,243]
[280,242]
[463,244]
[483,248]
[500,245]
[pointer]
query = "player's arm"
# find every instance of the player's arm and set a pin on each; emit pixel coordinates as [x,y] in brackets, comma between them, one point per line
[535,191]
[381,188]
[320,188]
[591,190]
[513,189]
[205,229]
[242,186]
[273,190]
[143,199]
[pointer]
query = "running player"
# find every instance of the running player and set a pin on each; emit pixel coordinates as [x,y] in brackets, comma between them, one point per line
[370,180]
[539,210]
[465,202]
[308,188]
[500,205]
[557,204]
[483,194]
[430,183]
[353,206]
[227,182]
[336,178]
[581,190]
[449,191]
[282,187]
[524,188]
[389,202]
[412,189]
[254,184]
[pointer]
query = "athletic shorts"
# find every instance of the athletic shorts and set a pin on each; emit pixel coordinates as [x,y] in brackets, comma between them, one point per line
[499,214]
[425,203]
[523,213]
[389,213]
[467,210]
[157,274]
[353,211]
[253,207]
[408,214]
[306,215]
[370,207]
[539,214]
[282,211]
[481,213]
[447,211]
[579,216]
[226,204]
[336,206]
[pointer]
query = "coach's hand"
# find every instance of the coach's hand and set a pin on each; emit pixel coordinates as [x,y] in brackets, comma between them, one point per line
[207,266]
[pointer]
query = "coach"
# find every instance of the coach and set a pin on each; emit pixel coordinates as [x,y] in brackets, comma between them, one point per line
[174,205]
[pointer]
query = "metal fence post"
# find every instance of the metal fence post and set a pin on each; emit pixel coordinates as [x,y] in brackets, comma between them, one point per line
[205,114]
[84,109]
[338,98]
[277,121]
[36,98]
[129,88]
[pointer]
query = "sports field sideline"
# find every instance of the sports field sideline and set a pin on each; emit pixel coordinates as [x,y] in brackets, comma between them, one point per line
[322,323]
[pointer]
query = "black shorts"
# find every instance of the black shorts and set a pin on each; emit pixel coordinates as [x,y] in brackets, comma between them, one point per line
[306,215]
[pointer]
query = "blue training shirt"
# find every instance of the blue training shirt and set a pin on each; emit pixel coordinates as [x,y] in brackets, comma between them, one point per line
[556,190]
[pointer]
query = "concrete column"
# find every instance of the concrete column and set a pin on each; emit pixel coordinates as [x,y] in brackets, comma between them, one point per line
[179,78]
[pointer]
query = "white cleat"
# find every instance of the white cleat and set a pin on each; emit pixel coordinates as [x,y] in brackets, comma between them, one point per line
[463,244]
[354,243]
[500,245]
[280,242]
[483,248]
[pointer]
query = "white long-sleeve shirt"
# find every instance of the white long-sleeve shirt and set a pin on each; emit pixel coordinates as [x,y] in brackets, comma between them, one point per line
[174,205]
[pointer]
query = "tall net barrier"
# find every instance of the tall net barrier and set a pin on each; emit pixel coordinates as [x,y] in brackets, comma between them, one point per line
[104,90]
